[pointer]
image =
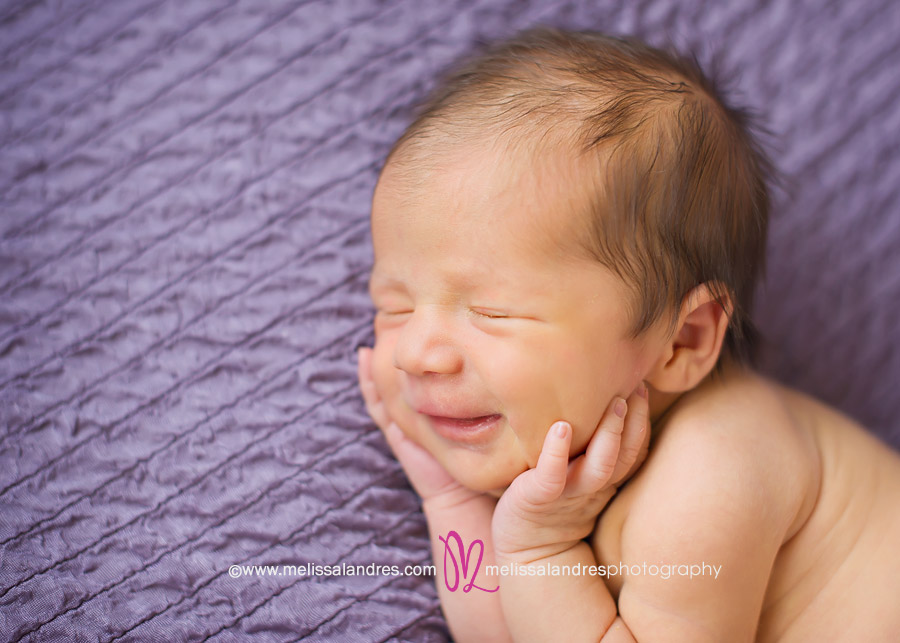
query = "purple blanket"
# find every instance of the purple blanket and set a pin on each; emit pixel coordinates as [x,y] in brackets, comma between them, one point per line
[184,250]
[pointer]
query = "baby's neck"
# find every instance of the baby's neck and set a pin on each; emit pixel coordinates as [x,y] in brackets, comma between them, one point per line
[661,403]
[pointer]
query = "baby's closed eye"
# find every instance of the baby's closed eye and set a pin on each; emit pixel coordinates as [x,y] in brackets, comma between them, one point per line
[500,317]
[394,311]
[488,313]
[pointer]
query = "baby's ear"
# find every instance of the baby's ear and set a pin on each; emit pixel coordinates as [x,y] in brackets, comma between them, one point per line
[693,350]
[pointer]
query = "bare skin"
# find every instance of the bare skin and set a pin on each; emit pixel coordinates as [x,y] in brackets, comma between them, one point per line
[542,517]
[824,537]
[808,555]
[491,330]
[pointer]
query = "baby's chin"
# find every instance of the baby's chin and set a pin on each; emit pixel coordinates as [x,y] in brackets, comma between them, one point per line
[486,480]
[489,469]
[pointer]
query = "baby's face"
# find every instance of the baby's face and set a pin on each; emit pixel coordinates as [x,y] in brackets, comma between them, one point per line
[489,325]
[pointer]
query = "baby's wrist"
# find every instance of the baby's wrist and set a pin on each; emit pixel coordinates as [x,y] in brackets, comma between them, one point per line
[458,502]
[524,540]
[518,555]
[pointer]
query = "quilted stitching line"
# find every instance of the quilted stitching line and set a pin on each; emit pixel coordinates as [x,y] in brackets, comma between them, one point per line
[193,376]
[256,607]
[12,91]
[117,125]
[221,522]
[356,600]
[153,454]
[432,612]
[303,254]
[316,145]
[184,176]
[137,159]
[72,103]
[199,479]
[240,243]
[43,32]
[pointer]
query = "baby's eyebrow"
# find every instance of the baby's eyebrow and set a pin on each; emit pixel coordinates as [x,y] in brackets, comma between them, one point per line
[459,283]
[383,282]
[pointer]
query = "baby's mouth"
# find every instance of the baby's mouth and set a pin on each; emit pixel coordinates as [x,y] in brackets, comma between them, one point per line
[472,430]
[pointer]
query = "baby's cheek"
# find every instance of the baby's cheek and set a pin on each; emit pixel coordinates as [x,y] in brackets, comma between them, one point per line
[387,380]
[383,371]
[525,387]
[558,384]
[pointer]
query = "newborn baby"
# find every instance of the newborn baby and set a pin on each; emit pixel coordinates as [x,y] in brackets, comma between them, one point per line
[567,242]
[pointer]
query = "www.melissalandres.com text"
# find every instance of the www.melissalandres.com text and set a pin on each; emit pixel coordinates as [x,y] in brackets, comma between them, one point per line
[661,570]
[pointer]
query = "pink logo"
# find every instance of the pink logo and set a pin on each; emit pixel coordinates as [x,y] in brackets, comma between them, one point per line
[464,556]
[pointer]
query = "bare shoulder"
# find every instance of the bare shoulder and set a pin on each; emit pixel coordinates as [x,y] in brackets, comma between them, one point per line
[730,477]
[791,502]
[739,435]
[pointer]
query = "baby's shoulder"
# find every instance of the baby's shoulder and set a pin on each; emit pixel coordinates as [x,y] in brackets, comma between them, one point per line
[734,443]
[742,418]
[731,475]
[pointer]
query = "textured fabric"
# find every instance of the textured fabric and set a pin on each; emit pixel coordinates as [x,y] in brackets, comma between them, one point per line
[184,245]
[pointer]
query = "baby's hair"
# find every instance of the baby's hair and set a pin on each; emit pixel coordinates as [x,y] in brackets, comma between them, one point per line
[678,185]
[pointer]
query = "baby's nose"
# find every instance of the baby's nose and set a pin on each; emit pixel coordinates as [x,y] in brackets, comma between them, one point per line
[426,346]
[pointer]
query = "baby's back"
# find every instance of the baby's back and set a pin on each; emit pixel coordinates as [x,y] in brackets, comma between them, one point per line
[838,578]
[822,561]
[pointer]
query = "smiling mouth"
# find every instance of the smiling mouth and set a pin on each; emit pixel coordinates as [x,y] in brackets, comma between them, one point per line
[473,430]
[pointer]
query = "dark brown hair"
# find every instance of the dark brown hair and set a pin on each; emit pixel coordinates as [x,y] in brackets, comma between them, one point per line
[679,186]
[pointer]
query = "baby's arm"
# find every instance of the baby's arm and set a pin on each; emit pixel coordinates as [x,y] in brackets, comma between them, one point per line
[448,506]
[726,489]
[542,518]
[474,615]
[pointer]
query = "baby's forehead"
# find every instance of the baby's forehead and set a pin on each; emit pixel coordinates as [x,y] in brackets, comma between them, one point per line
[508,208]
[552,182]
[526,162]
[465,134]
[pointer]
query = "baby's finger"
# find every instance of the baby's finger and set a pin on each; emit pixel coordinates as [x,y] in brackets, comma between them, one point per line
[594,470]
[635,436]
[374,405]
[549,475]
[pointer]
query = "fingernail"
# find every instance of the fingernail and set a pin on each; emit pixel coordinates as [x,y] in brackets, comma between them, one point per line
[642,390]
[620,407]
[561,429]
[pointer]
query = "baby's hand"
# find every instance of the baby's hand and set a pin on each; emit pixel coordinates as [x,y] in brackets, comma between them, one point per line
[437,488]
[549,509]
